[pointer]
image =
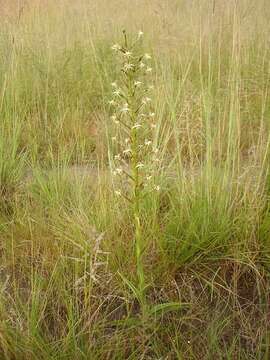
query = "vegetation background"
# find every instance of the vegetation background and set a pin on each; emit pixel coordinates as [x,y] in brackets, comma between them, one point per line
[64,237]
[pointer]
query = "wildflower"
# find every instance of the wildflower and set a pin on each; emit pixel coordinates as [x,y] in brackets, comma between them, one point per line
[117,92]
[125,108]
[118,171]
[128,66]
[118,193]
[146,100]
[157,188]
[136,126]
[140,165]
[127,54]
[140,34]
[114,119]
[114,84]
[137,83]
[147,56]
[147,142]
[148,70]
[116,47]
[151,114]
[148,177]
[112,102]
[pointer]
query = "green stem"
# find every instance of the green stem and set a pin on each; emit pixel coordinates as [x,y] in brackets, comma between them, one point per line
[136,206]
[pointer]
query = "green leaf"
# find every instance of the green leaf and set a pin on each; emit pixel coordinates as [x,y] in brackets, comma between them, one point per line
[161,309]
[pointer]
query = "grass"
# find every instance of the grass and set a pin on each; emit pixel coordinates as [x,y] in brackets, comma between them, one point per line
[68,262]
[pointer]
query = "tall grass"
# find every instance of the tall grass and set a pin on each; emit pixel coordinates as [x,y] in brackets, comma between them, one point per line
[204,236]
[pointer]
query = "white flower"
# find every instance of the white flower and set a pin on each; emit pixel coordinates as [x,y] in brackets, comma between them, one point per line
[114,84]
[117,92]
[147,56]
[152,114]
[140,34]
[125,108]
[140,165]
[116,47]
[157,188]
[147,142]
[146,100]
[148,70]
[114,119]
[137,83]
[148,177]
[136,126]
[118,171]
[117,193]
[128,66]
[142,65]
[128,54]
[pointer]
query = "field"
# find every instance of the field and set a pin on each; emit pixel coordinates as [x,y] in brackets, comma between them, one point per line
[135,231]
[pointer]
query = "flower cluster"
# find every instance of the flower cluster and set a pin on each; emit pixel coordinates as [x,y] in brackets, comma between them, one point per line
[133,116]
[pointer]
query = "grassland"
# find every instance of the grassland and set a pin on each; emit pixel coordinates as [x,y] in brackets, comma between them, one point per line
[67,243]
